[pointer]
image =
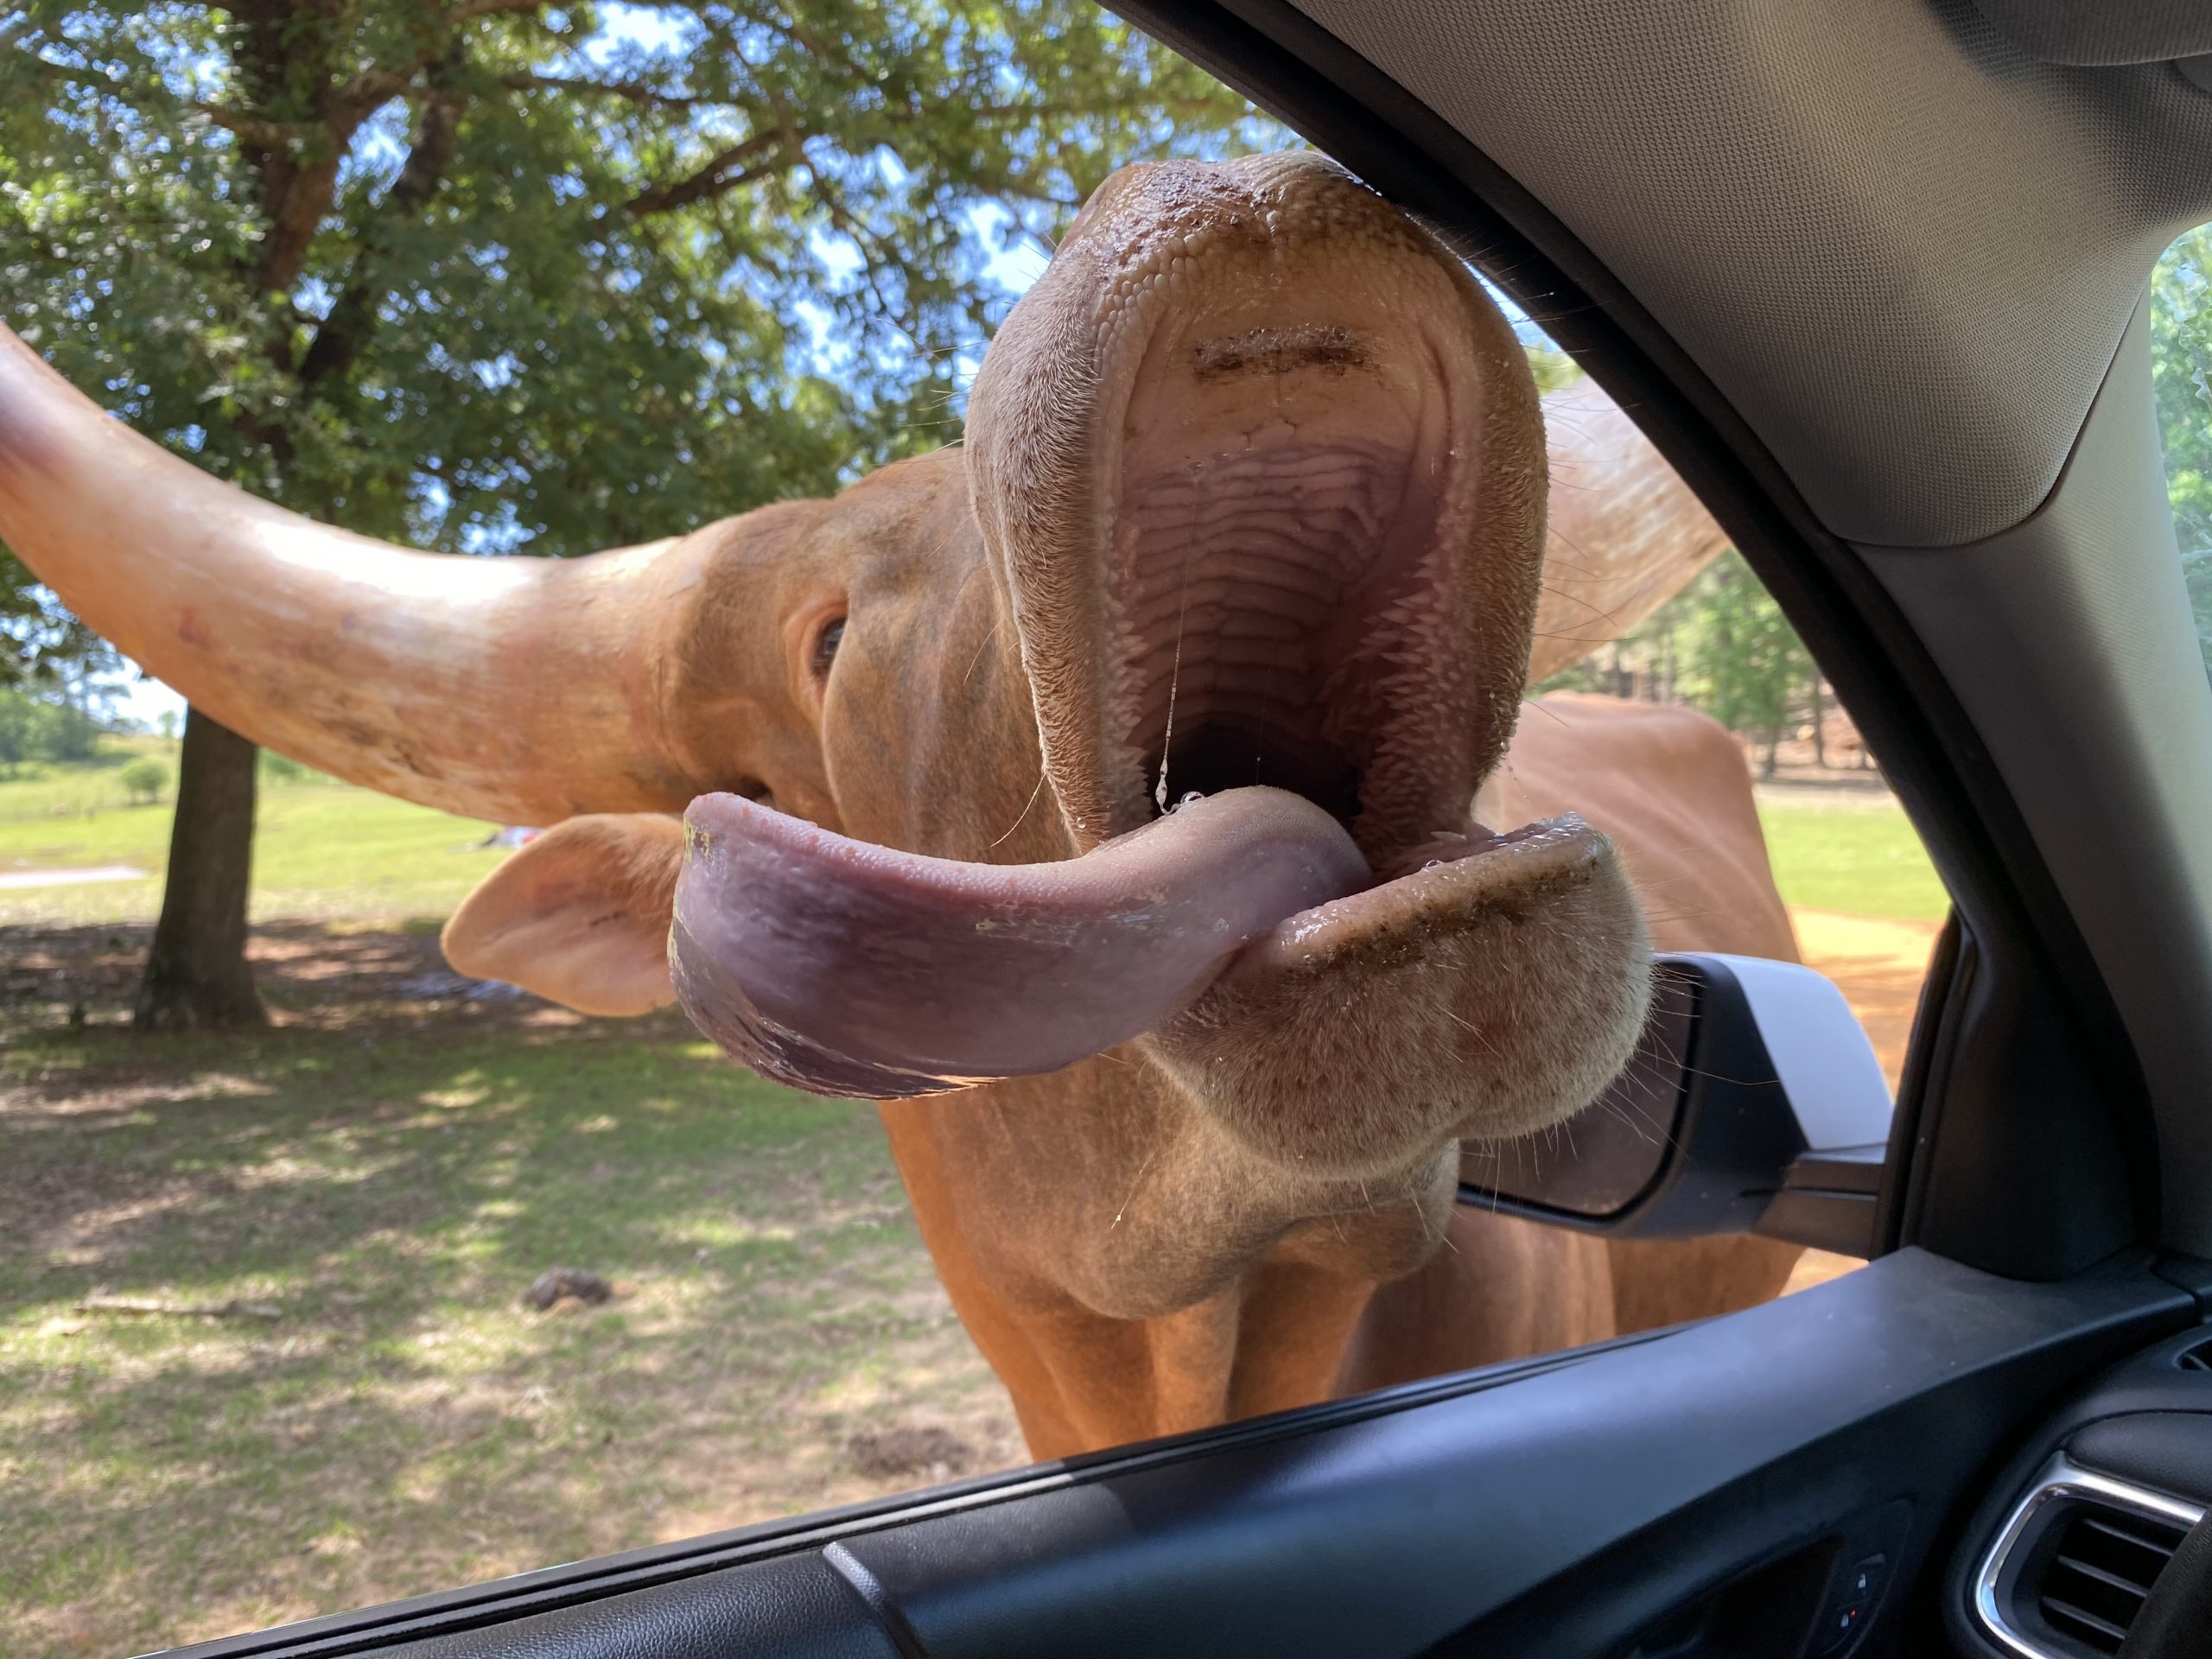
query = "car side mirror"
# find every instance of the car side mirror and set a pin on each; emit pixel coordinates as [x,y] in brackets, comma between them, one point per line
[1754,1104]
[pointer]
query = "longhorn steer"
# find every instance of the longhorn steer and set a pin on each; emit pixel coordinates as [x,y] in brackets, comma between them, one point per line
[1252,512]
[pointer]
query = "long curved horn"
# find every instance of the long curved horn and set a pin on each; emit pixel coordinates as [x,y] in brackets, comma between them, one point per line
[1625,535]
[521,690]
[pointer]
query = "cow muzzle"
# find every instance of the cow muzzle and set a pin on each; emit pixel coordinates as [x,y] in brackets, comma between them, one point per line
[1260,471]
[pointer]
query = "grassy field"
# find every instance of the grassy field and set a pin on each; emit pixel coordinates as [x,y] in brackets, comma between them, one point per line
[1856,858]
[35,789]
[385,1172]
[324,850]
[355,1201]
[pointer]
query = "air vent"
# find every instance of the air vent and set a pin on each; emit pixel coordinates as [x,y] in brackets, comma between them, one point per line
[2094,1584]
[2198,1359]
[2075,1562]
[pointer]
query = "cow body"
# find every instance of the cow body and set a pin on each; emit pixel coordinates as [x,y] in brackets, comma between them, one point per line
[1035,1203]
[1252,519]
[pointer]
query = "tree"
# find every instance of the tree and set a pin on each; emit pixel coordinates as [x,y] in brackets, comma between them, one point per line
[44,728]
[1722,645]
[144,780]
[490,274]
[44,651]
[1553,368]
[53,703]
[2180,376]
[1741,661]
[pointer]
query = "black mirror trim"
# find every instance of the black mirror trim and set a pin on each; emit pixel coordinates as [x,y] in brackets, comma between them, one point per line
[1762,1107]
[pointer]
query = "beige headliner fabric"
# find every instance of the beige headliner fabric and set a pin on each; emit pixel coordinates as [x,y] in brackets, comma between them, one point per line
[1903,250]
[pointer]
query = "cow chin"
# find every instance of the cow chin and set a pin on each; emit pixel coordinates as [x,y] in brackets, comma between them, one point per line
[1481,1000]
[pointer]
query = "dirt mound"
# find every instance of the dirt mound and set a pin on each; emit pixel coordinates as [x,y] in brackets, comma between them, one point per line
[923,1453]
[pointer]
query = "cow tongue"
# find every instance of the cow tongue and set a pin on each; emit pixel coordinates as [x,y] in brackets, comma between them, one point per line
[849,969]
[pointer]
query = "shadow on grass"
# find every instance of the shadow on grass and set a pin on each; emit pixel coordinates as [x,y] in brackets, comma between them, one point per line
[389,1169]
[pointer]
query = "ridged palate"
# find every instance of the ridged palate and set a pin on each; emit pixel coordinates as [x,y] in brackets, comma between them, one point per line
[1242,586]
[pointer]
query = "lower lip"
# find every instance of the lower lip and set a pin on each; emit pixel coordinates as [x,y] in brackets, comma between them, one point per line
[1449,846]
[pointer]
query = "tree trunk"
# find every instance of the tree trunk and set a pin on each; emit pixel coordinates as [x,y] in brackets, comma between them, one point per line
[1820,721]
[196,974]
[1773,749]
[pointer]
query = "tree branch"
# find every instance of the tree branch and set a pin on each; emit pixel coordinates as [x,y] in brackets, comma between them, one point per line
[713,178]
[299,173]
[866,240]
[472,9]
[269,135]
[636,91]
[363,96]
[351,317]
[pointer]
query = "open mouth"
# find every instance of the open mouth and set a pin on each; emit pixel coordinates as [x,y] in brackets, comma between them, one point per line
[1301,564]
[1273,576]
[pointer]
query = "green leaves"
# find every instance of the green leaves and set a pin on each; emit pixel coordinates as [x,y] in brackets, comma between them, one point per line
[1721,645]
[43,648]
[2181,375]
[493,276]
[1741,661]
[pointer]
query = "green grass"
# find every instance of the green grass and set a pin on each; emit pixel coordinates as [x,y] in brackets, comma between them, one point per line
[406,1425]
[1863,859]
[324,850]
[35,789]
[390,1176]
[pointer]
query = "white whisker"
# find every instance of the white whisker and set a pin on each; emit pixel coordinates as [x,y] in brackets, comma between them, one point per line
[1175,671]
[1033,794]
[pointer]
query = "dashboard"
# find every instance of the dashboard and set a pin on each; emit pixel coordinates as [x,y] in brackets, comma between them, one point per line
[2060,1560]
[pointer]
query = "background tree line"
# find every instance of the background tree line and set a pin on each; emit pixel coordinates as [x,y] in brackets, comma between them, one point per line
[1722,645]
[57,728]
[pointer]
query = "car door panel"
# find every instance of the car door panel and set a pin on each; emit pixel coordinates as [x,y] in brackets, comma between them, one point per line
[1556,1507]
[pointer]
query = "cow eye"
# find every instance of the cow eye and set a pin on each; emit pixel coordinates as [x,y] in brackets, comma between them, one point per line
[826,644]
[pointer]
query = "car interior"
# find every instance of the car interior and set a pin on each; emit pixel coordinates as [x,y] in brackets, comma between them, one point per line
[1873,277]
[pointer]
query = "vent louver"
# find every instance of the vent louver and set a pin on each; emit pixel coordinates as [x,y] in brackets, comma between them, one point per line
[2198,1359]
[2073,1563]
[2092,1586]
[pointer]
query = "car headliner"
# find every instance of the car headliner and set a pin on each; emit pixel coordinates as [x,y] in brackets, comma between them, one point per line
[1911,250]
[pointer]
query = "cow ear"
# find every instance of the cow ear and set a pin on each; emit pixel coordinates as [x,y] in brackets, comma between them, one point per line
[579,915]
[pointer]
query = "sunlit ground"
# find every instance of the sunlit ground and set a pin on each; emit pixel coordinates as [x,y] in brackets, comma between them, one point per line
[365,1409]
[340,1397]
